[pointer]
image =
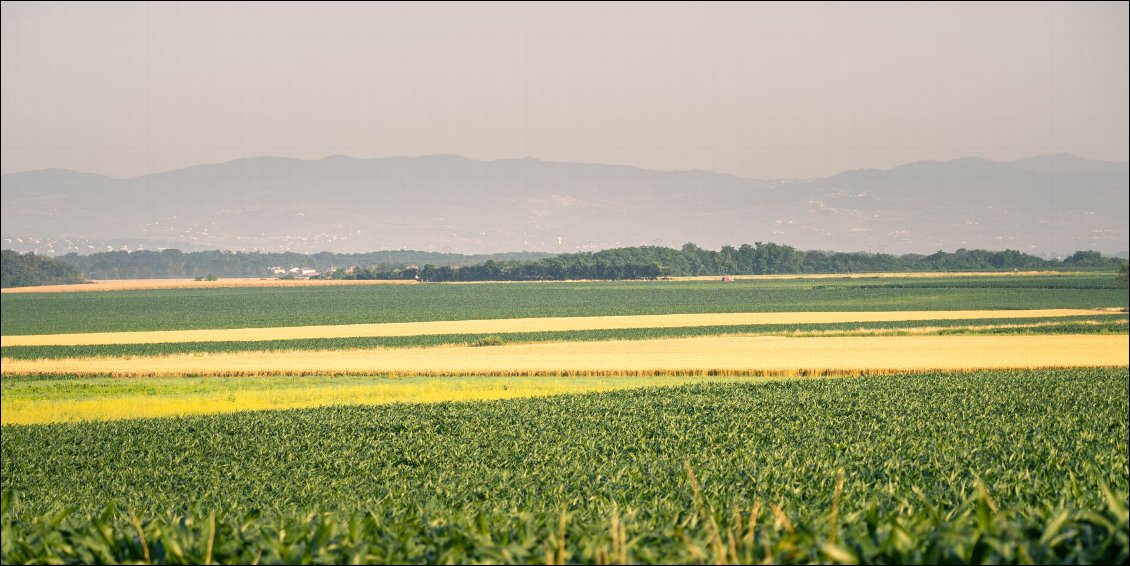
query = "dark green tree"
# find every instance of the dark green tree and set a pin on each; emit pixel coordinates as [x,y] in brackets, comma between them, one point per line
[25,270]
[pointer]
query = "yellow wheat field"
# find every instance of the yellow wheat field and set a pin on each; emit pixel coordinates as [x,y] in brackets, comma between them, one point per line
[517,325]
[379,391]
[151,284]
[722,354]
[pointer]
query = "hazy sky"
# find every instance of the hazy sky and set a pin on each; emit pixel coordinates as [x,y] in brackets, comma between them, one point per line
[759,90]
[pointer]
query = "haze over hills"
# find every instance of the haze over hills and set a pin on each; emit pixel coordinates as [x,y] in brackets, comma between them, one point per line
[1044,204]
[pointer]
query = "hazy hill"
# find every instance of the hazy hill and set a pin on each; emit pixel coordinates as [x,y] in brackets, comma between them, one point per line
[1046,203]
[1052,203]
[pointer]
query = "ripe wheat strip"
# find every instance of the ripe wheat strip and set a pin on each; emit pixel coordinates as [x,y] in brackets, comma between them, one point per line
[515,325]
[722,354]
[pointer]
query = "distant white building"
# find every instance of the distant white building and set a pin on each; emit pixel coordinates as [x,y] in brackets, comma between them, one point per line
[294,272]
[298,272]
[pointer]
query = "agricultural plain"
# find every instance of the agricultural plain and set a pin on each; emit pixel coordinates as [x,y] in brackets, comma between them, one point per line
[184,309]
[772,420]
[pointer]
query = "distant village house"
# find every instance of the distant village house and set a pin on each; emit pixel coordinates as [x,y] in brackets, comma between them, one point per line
[293,273]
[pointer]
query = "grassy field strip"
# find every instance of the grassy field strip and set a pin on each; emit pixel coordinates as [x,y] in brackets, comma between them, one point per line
[207,309]
[515,325]
[115,398]
[886,275]
[725,354]
[1097,324]
[151,284]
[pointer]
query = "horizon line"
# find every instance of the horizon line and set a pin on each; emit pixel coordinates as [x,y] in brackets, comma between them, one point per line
[537,159]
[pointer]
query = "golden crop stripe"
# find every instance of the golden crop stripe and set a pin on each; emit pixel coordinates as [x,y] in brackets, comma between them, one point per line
[515,325]
[380,391]
[724,353]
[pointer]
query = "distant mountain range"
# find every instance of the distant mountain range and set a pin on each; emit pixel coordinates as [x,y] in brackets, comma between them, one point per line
[1044,204]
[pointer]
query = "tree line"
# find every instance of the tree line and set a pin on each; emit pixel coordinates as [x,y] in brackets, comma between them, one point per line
[643,262]
[175,264]
[652,262]
[25,270]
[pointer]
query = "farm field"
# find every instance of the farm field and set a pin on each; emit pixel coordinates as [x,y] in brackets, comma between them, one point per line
[662,356]
[988,466]
[185,309]
[151,284]
[1013,322]
[71,399]
[612,422]
[516,325]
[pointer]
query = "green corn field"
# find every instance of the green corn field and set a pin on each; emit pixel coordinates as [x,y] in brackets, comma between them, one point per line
[977,467]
